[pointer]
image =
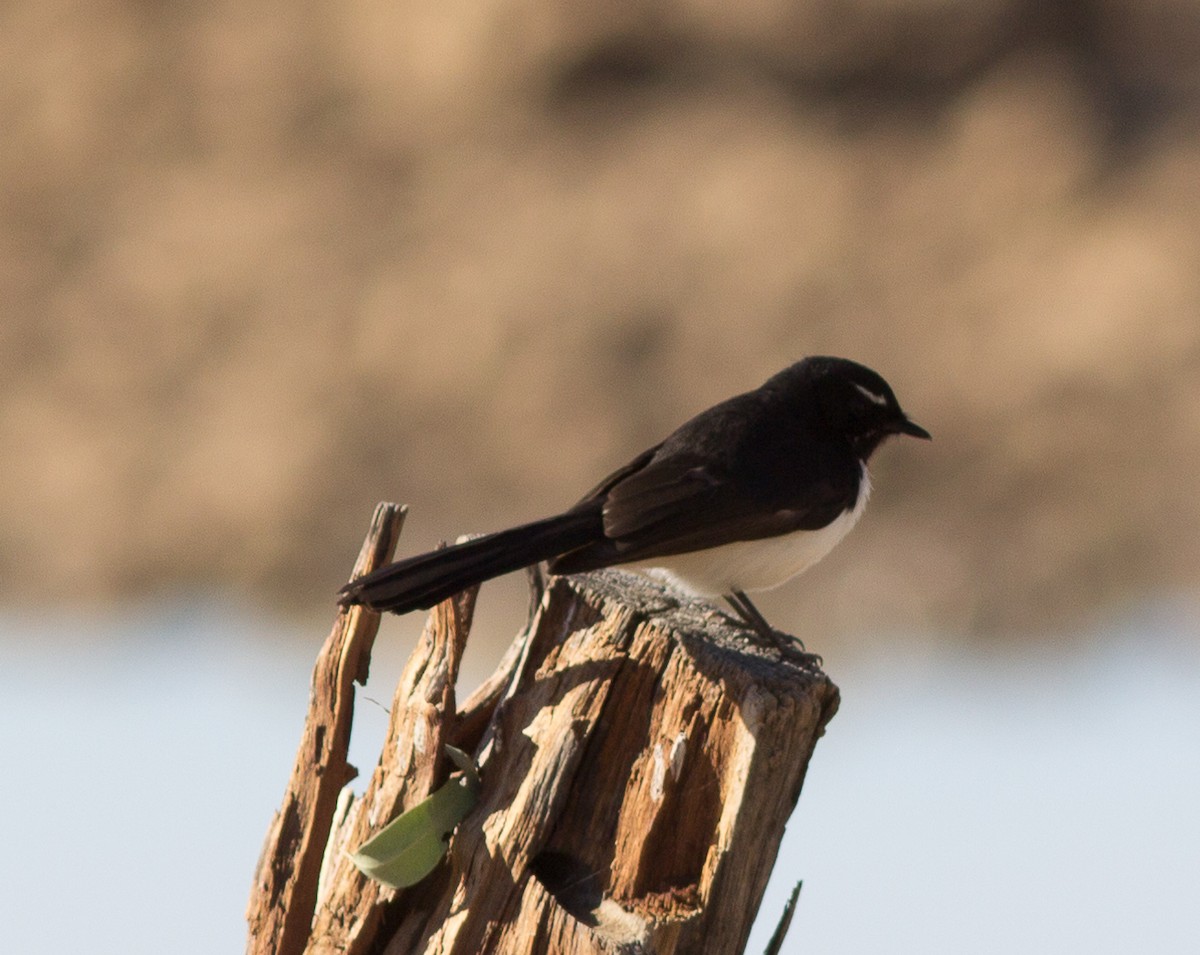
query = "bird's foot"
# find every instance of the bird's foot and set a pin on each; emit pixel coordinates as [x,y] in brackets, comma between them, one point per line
[789,647]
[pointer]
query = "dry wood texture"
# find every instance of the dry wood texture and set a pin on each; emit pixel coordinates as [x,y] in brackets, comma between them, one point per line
[285,885]
[640,757]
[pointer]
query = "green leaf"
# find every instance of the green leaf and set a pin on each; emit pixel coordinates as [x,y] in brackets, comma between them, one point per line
[465,763]
[409,847]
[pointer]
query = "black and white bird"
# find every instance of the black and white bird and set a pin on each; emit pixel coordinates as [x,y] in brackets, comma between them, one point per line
[742,497]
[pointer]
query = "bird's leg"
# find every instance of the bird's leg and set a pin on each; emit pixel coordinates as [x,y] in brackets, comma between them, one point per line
[749,613]
[753,617]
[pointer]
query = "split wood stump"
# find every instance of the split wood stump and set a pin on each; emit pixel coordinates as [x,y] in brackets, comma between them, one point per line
[640,757]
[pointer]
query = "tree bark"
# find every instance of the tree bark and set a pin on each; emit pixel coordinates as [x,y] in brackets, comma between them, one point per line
[640,757]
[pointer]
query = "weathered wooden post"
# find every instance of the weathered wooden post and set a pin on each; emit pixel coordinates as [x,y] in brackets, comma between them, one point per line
[640,756]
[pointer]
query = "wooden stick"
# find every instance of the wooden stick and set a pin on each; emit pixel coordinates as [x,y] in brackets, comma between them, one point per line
[412,764]
[284,895]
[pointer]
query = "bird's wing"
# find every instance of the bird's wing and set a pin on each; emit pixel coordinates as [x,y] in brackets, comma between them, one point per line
[676,504]
[737,471]
[688,506]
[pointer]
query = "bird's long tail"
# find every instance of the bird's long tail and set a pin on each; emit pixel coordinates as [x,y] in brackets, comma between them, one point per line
[418,583]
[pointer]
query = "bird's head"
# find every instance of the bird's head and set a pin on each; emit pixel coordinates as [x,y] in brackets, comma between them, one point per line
[856,403]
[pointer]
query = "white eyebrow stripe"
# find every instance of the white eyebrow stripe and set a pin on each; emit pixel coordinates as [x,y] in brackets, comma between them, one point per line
[871,396]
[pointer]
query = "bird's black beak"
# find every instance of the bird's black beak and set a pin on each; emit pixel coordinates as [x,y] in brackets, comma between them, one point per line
[904,426]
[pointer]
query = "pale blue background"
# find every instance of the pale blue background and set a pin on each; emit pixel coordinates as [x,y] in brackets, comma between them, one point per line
[1015,800]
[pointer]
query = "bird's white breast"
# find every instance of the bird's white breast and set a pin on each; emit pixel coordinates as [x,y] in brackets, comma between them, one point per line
[756,564]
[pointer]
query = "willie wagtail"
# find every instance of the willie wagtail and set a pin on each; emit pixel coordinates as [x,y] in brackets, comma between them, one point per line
[742,497]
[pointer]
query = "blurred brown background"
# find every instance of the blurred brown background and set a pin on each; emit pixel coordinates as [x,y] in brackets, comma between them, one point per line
[263,264]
